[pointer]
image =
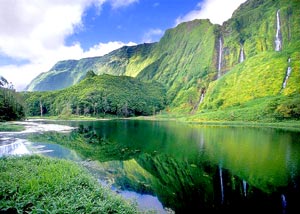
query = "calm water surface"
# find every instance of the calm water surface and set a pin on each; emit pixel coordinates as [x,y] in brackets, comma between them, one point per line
[192,168]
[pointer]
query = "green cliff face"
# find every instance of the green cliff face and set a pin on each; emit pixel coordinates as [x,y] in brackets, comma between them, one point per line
[263,73]
[208,67]
[185,61]
[123,61]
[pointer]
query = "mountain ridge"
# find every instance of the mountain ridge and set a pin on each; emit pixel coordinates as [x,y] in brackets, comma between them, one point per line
[205,66]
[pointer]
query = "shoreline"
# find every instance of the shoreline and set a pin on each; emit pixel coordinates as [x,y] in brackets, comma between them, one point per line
[289,125]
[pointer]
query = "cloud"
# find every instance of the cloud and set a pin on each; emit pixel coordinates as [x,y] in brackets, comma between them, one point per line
[121,3]
[217,11]
[152,35]
[21,75]
[104,48]
[35,32]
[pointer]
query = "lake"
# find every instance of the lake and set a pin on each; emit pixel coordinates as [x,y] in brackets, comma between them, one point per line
[188,168]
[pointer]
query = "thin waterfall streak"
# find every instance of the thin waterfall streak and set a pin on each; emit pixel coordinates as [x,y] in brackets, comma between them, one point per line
[242,57]
[283,203]
[278,24]
[277,39]
[220,57]
[287,75]
[202,97]
[221,184]
[245,188]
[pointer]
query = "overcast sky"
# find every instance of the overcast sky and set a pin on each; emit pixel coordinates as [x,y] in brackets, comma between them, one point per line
[35,34]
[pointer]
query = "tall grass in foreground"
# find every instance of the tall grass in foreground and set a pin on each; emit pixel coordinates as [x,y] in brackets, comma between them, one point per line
[35,184]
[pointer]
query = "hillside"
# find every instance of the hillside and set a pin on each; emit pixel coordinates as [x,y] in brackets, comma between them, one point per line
[251,60]
[267,80]
[97,96]
[124,61]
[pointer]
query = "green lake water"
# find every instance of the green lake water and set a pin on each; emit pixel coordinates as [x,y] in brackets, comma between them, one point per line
[192,168]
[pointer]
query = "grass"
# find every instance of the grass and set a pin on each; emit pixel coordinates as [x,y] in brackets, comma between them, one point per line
[213,120]
[10,127]
[35,184]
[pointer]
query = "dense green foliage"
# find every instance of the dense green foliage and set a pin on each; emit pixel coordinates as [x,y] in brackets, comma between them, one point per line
[253,89]
[34,184]
[11,107]
[98,96]
[186,62]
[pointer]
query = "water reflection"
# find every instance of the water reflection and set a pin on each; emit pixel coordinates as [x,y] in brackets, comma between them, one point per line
[194,169]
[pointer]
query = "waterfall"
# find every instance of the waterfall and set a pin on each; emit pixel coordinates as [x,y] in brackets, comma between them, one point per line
[221,184]
[16,148]
[245,188]
[220,57]
[201,97]
[288,74]
[283,203]
[242,56]
[277,38]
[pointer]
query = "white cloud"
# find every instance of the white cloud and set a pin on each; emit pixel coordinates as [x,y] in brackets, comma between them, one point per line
[104,48]
[152,34]
[217,11]
[121,3]
[21,75]
[35,31]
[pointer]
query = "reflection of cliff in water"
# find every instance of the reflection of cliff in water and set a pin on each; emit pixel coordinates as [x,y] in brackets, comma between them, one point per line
[192,168]
[187,187]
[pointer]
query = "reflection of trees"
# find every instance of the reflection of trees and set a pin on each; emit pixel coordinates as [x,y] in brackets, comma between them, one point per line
[188,182]
[179,181]
[186,187]
[89,145]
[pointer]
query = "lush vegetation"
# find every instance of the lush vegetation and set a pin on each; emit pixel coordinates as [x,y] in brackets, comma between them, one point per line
[34,184]
[9,127]
[11,107]
[172,176]
[98,96]
[185,62]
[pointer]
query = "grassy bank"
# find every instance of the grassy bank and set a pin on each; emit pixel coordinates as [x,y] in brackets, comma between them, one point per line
[10,127]
[291,125]
[34,184]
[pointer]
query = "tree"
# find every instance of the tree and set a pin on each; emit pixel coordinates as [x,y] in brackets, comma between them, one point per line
[105,105]
[41,107]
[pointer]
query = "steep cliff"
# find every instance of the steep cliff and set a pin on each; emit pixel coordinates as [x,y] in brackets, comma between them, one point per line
[203,66]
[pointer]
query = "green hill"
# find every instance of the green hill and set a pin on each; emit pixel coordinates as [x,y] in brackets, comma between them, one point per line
[124,61]
[99,95]
[212,71]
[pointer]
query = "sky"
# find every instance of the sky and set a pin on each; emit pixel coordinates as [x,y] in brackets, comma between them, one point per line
[35,34]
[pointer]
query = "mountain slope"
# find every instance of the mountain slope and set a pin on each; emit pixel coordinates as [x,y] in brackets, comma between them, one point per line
[206,67]
[265,72]
[123,61]
[98,95]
